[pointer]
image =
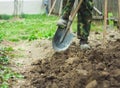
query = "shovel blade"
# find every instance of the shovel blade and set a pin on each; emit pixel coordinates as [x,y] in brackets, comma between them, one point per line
[56,42]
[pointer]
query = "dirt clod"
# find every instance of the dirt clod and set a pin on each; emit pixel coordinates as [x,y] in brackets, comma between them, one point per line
[92,84]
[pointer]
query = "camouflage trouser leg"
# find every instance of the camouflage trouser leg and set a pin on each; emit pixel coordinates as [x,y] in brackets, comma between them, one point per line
[68,8]
[84,19]
[64,3]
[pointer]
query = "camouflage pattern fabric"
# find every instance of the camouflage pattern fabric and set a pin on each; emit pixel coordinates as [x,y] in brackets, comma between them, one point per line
[84,17]
[64,3]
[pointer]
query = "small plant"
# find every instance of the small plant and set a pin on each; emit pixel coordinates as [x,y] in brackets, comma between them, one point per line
[4,60]
[9,49]
[1,36]
[110,15]
[4,85]
[32,37]
[5,72]
[22,15]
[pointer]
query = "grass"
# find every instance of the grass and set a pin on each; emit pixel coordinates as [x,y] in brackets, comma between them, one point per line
[6,73]
[33,27]
[30,28]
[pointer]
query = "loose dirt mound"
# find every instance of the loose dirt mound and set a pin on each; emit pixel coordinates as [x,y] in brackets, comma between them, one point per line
[95,68]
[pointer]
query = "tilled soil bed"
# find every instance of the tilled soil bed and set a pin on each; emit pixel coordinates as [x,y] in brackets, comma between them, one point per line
[73,68]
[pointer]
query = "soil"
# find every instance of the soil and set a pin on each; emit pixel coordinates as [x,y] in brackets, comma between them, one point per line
[42,67]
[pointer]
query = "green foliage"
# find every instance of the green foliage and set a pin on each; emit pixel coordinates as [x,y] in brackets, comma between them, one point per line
[4,85]
[110,15]
[23,15]
[4,60]
[1,36]
[14,39]
[34,27]
[8,49]
[5,72]
[5,54]
[96,27]
[5,17]
[32,37]
[30,28]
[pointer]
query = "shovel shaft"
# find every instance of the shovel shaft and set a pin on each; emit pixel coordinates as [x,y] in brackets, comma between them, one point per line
[67,29]
[76,10]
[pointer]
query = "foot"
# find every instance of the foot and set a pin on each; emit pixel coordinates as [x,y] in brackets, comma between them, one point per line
[84,45]
[62,22]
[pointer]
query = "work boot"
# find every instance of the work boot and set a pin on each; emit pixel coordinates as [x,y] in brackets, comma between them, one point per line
[84,45]
[62,22]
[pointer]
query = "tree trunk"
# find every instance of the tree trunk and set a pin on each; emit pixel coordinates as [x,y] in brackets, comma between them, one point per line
[17,8]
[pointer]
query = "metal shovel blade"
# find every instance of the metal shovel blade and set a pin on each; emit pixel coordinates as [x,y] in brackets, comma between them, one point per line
[56,42]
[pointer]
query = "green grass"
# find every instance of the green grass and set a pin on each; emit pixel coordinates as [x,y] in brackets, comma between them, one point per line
[6,73]
[5,17]
[30,28]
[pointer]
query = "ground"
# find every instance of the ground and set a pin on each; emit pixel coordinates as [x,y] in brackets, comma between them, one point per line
[42,67]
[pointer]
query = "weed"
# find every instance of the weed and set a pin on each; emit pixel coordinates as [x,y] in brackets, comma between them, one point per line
[32,37]
[5,72]
[4,60]
[1,36]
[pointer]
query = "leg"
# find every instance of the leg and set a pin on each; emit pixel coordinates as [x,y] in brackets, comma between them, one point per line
[66,12]
[79,25]
[64,3]
[84,23]
[68,8]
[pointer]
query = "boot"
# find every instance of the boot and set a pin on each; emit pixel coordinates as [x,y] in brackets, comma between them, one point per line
[84,45]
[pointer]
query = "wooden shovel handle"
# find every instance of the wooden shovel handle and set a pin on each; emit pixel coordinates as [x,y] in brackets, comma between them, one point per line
[52,7]
[76,10]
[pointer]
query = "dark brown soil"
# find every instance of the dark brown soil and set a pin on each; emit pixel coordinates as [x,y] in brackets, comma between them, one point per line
[42,67]
[73,68]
